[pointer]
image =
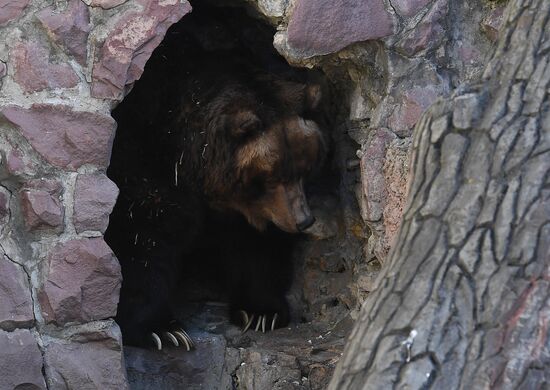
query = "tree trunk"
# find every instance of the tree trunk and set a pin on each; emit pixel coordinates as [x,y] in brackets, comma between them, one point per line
[464,301]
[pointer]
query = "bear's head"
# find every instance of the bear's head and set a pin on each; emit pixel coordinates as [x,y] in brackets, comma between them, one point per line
[263,143]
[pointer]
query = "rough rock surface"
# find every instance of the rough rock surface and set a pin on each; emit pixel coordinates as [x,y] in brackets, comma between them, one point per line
[130,44]
[65,138]
[69,28]
[64,65]
[5,197]
[372,162]
[82,282]
[408,8]
[95,197]
[396,172]
[323,27]
[89,359]
[105,4]
[34,72]
[15,296]
[41,204]
[11,9]
[3,69]
[21,363]
[299,357]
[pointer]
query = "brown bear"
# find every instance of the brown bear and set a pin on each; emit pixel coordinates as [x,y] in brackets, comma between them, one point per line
[218,185]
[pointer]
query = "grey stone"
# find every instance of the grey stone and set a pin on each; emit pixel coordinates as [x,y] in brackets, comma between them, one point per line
[105,4]
[3,69]
[91,359]
[409,8]
[5,197]
[372,176]
[466,111]
[202,368]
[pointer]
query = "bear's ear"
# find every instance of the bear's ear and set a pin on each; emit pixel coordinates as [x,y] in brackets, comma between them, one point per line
[244,123]
[298,97]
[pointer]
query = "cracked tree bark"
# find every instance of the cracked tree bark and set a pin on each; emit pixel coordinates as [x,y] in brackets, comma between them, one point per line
[464,302]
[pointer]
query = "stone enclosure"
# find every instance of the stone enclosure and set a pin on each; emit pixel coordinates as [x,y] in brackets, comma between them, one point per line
[65,65]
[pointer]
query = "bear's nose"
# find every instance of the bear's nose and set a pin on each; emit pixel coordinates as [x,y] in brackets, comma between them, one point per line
[303,225]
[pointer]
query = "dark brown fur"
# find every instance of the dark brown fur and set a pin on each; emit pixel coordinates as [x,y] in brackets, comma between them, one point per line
[195,153]
[242,144]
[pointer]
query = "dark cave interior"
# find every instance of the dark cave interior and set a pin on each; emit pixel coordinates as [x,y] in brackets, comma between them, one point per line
[220,38]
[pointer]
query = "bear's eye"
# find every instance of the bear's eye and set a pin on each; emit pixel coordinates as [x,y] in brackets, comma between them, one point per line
[256,187]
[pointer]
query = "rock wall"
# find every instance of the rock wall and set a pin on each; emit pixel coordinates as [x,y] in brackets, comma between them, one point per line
[63,67]
[390,59]
[394,59]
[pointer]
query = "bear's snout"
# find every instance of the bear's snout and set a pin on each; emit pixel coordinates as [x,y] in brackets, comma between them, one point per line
[299,207]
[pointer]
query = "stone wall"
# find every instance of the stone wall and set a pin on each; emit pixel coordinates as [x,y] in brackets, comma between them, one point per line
[63,67]
[394,58]
[391,59]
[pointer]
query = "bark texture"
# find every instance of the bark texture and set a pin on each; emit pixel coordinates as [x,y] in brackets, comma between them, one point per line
[464,302]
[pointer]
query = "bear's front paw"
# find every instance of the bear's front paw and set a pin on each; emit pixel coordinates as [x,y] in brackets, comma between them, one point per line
[258,321]
[174,335]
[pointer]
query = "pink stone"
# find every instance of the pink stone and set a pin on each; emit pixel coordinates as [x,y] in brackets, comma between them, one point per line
[95,196]
[408,111]
[492,22]
[82,282]
[69,28]
[92,360]
[34,72]
[18,164]
[21,362]
[326,26]
[63,137]
[429,33]
[408,8]
[424,36]
[41,205]
[15,296]
[130,44]
[11,9]
[469,54]
[15,163]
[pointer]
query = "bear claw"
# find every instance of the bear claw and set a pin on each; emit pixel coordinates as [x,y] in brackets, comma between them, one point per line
[177,337]
[248,322]
[184,338]
[156,340]
[172,338]
[261,322]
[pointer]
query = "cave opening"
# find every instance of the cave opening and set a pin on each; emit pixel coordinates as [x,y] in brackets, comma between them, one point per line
[315,266]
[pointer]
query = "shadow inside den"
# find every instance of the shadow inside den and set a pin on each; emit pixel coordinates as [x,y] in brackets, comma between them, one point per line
[230,201]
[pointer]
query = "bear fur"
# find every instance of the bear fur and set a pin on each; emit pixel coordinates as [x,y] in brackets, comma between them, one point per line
[211,166]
